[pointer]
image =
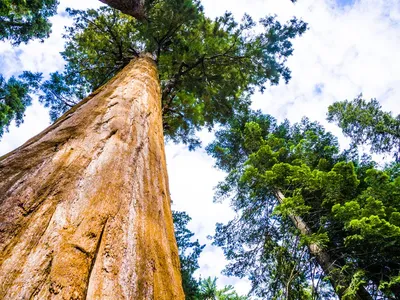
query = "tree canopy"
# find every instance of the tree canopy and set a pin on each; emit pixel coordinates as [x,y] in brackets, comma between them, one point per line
[21,21]
[207,68]
[14,97]
[350,207]
[366,124]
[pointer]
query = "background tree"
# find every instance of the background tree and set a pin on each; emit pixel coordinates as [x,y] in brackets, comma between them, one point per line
[365,123]
[333,194]
[189,252]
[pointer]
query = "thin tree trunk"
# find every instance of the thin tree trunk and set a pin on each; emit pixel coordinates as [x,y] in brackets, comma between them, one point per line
[85,206]
[323,258]
[134,8]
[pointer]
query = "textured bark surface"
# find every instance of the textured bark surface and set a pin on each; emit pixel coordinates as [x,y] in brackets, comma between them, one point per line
[85,208]
[323,258]
[134,8]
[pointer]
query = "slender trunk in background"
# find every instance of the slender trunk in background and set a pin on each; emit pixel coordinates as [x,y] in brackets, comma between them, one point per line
[323,259]
[85,206]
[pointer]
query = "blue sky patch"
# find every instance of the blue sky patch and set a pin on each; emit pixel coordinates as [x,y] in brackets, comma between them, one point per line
[343,3]
[318,88]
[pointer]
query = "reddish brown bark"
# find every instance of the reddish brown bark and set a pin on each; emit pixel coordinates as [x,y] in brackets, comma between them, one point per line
[85,207]
[134,8]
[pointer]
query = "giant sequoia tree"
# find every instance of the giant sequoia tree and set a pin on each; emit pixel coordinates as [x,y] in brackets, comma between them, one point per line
[85,207]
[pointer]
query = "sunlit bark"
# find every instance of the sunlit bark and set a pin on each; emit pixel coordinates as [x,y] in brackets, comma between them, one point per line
[134,8]
[85,206]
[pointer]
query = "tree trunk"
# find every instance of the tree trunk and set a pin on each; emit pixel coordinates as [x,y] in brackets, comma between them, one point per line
[134,8]
[85,206]
[323,258]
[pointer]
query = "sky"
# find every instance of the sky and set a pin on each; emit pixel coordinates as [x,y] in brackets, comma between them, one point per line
[351,47]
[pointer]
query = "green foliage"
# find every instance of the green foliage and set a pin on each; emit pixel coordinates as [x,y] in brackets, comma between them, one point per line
[189,253]
[351,209]
[14,98]
[365,123]
[207,68]
[209,291]
[21,20]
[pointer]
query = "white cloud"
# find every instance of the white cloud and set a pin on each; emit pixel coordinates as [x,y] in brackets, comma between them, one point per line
[348,49]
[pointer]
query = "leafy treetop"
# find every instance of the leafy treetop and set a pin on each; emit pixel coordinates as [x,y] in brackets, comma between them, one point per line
[208,290]
[365,123]
[207,68]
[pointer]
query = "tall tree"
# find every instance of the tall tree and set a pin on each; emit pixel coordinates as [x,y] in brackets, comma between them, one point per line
[135,8]
[282,178]
[85,207]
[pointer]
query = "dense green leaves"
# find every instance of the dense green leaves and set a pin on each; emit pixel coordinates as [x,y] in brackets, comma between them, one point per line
[365,123]
[207,68]
[14,97]
[208,290]
[350,207]
[21,20]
